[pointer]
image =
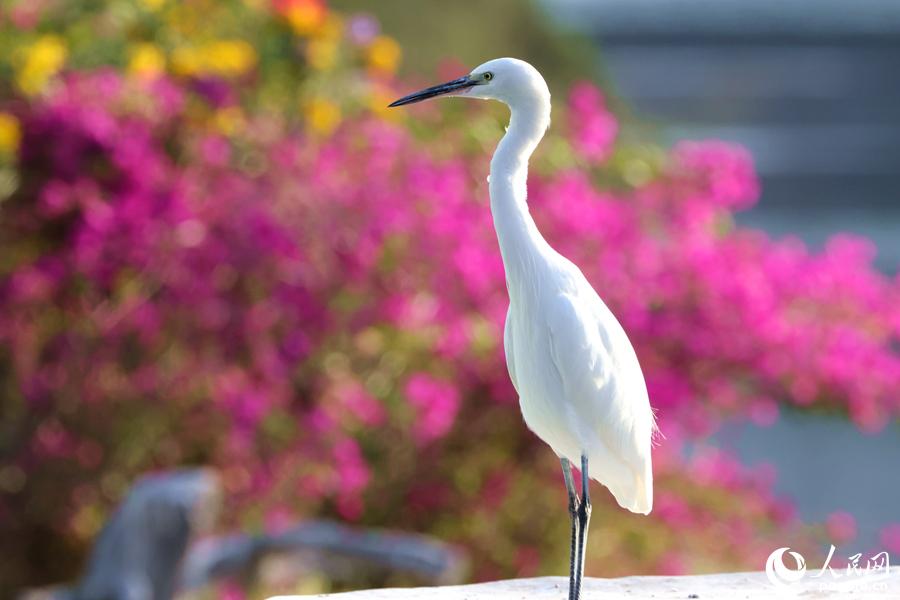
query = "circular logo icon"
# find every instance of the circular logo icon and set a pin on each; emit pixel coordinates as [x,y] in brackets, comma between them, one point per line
[779,574]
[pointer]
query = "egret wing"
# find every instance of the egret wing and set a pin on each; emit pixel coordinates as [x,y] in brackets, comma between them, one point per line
[508,348]
[581,358]
[603,386]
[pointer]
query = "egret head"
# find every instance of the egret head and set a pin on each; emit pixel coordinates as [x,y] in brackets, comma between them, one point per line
[509,80]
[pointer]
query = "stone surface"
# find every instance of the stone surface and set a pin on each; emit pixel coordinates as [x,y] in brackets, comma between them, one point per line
[728,586]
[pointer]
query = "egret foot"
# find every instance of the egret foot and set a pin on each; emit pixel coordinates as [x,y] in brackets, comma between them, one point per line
[574,505]
[584,517]
[580,512]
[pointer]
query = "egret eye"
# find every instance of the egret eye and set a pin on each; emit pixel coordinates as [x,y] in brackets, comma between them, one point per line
[488,76]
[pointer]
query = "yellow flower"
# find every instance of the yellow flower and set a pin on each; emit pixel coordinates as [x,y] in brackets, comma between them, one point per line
[10,133]
[385,54]
[305,16]
[153,5]
[39,62]
[229,58]
[230,121]
[321,54]
[186,61]
[147,61]
[323,115]
[322,49]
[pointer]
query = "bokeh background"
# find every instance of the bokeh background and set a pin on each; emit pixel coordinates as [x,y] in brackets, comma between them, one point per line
[219,249]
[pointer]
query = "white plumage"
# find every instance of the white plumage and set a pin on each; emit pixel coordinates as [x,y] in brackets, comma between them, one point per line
[579,382]
[580,386]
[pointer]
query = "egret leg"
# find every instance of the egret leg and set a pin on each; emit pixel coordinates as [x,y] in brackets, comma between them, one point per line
[573,512]
[584,517]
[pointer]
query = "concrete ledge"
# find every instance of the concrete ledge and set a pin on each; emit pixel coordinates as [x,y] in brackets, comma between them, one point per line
[727,586]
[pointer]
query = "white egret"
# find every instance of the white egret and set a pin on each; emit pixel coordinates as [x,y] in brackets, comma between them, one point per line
[580,386]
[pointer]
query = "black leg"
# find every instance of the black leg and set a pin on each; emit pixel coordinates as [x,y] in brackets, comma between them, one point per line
[584,517]
[573,512]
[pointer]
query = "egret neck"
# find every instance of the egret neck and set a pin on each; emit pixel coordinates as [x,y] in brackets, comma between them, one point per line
[519,238]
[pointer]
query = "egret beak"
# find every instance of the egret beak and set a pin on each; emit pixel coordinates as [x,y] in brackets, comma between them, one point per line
[463,83]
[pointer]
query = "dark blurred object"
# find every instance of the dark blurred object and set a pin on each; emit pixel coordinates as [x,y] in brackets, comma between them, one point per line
[810,87]
[324,547]
[147,551]
[138,553]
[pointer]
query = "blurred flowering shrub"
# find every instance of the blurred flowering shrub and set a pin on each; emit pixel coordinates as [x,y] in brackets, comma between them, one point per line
[196,266]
